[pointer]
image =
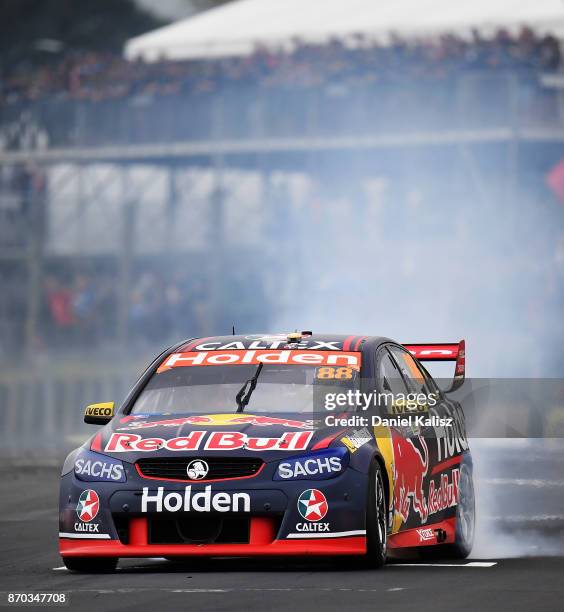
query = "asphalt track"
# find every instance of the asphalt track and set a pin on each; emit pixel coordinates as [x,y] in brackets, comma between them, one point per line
[507,581]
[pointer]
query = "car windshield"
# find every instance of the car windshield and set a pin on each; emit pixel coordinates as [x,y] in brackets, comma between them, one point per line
[214,389]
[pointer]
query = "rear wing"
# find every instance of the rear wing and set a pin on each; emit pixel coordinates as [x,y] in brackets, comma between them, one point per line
[443,352]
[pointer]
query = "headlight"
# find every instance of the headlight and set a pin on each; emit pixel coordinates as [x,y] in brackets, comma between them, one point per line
[320,465]
[93,467]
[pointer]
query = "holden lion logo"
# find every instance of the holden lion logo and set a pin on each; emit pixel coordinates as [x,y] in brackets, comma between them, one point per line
[88,505]
[197,469]
[312,505]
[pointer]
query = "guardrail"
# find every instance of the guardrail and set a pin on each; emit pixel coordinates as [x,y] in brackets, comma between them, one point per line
[42,411]
[248,111]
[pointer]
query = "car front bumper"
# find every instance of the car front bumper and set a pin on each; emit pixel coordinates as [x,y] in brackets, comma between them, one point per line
[275,526]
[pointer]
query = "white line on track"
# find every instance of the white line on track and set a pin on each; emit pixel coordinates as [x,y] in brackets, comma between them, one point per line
[526,518]
[470,564]
[200,590]
[523,482]
[231,590]
[482,563]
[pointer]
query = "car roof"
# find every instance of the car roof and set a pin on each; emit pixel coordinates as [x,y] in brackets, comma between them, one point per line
[343,342]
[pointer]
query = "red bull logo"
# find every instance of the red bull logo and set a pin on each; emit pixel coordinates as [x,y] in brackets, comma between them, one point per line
[445,495]
[410,469]
[216,441]
[219,419]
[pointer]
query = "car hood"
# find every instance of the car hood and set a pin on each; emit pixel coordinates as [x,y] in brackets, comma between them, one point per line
[235,434]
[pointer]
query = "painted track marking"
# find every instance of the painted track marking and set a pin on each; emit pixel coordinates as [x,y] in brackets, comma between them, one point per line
[470,564]
[523,482]
[126,591]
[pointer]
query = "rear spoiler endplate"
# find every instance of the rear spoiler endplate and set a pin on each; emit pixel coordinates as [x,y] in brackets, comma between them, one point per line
[443,351]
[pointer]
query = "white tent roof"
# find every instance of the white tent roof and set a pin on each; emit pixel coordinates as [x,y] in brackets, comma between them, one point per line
[236,28]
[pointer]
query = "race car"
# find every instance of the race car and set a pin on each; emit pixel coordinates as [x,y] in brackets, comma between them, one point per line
[264,445]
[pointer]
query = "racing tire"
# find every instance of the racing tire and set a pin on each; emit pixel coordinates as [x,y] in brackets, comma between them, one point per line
[465,516]
[465,523]
[91,565]
[376,518]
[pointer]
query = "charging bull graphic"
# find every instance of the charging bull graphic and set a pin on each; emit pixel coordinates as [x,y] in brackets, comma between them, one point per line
[410,469]
[216,420]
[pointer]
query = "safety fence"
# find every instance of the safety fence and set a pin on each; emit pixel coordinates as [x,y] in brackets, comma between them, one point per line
[42,411]
[499,99]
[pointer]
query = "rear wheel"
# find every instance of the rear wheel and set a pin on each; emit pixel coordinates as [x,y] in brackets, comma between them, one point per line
[465,521]
[465,516]
[91,565]
[376,517]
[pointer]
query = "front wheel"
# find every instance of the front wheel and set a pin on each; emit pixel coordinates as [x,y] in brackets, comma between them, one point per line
[91,565]
[376,517]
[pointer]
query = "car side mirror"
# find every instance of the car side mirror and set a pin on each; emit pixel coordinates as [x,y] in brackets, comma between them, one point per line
[99,414]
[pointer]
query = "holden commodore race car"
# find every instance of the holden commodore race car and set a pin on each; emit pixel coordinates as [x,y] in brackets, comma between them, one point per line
[273,445]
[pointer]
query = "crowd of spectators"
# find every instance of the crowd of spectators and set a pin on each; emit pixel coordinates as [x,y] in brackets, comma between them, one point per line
[83,309]
[96,76]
